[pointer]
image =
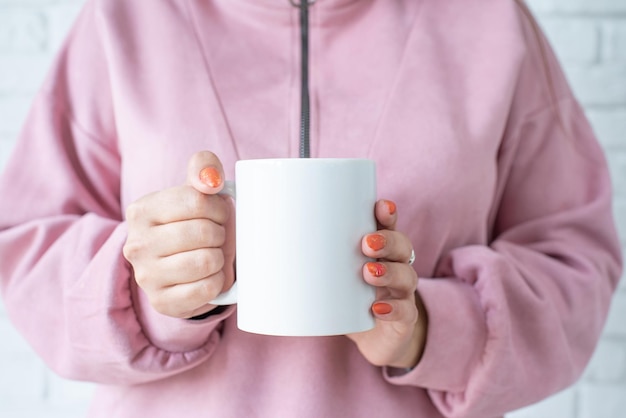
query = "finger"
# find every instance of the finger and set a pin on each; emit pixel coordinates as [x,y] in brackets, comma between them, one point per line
[205,172]
[402,311]
[398,278]
[158,273]
[179,237]
[187,299]
[386,214]
[389,245]
[177,204]
[190,266]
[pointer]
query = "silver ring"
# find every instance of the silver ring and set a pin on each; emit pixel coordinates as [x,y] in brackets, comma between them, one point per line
[412,258]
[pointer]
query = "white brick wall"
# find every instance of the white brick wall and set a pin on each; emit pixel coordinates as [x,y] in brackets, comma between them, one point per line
[590,39]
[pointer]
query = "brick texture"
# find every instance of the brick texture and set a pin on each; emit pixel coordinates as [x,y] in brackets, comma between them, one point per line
[588,36]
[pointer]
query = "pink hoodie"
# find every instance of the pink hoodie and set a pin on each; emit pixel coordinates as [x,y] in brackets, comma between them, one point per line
[500,185]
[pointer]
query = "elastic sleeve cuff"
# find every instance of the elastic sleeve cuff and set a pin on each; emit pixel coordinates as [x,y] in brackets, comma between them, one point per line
[455,339]
[174,334]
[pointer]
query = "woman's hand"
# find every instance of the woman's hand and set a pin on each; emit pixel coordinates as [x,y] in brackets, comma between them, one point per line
[176,241]
[399,337]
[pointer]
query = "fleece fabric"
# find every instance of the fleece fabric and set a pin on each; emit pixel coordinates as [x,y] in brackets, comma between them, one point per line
[499,182]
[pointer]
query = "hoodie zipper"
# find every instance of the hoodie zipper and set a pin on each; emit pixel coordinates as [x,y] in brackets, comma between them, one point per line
[305,106]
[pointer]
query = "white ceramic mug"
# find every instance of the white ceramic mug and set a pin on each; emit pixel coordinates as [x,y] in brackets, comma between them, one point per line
[299,225]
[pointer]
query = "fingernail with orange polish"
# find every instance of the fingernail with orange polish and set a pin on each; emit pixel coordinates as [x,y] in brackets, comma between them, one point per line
[376,269]
[391,207]
[376,241]
[211,177]
[381,308]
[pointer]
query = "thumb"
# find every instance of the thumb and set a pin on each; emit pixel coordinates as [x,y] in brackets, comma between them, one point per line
[205,172]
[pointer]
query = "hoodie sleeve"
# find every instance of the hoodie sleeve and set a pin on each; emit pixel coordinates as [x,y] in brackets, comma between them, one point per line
[517,320]
[65,284]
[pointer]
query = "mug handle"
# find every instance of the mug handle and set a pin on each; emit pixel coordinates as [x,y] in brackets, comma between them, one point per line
[230,296]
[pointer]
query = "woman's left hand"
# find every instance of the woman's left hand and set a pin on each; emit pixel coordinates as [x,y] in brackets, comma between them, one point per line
[399,336]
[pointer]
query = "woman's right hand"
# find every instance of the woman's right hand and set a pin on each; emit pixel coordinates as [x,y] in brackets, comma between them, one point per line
[177,241]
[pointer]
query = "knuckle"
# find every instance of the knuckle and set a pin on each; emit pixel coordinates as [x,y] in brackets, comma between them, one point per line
[142,279]
[211,233]
[212,286]
[132,250]
[209,261]
[135,211]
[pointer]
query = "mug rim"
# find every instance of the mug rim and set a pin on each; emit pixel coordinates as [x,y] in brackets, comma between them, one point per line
[295,160]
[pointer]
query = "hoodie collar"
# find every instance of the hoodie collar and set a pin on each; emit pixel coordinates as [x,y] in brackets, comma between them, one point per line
[283,4]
